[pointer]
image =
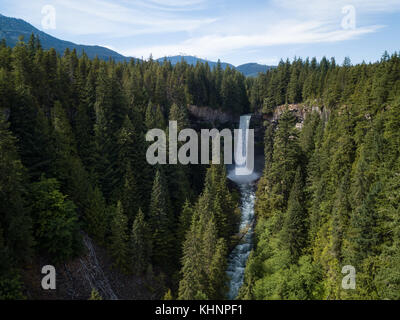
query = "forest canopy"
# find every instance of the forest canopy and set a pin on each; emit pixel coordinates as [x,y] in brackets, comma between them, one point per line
[73,163]
[329,194]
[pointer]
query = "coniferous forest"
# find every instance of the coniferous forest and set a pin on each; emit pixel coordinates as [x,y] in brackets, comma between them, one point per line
[330,193]
[73,164]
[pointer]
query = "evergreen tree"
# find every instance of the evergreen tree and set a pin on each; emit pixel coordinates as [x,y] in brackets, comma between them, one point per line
[96,215]
[217,278]
[185,220]
[119,238]
[285,157]
[160,222]
[294,232]
[140,244]
[15,220]
[56,226]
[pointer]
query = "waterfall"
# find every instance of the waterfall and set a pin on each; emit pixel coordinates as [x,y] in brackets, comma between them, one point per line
[244,177]
[241,146]
[243,164]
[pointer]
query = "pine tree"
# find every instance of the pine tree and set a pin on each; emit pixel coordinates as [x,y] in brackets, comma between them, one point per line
[294,232]
[218,278]
[160,223]
[44,154]
[178,174]
[15,220]
[192,284]
[23,114]
[204,255]
[285,156]
[56,226]
[118,239]
[130,201]
[140,244]
[364,221]
[154,117]
[106,128]
[96,215]
[68,167]
[84,122]
[294,86]
[185,220]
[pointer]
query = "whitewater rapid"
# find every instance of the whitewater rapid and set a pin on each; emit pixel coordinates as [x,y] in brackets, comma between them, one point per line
[238,257]
[245,180]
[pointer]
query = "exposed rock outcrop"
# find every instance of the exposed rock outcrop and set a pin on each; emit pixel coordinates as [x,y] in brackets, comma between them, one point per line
[92,270]
[299,110]
[211,116]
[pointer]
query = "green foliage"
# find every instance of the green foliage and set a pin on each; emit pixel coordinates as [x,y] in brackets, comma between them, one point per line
[205,250]
[154,117]
[168,295]
[15,220]
[329,194]
[11,287]
[160,221]
[96,215]
[185,220]
[343,204]
[56,226]
[95,295]
[294,232]
[81,123]
[118,246]
[140,246]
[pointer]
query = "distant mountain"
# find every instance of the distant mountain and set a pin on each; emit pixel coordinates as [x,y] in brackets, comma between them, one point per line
[193,61]
[253,69]
[248,69]
[12,28]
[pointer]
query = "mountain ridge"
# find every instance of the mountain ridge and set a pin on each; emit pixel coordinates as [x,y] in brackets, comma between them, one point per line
[251,69]
[12,28]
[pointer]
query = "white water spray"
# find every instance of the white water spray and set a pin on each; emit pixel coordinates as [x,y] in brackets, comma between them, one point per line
[244,176]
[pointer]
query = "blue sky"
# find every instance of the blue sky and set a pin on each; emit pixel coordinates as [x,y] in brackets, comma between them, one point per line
[234,31]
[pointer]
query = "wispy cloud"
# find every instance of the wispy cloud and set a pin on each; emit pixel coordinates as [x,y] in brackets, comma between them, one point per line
[171,6]
[121,19]
[329,8]
[287,32]
[178,3]
[279,22]
[208,28]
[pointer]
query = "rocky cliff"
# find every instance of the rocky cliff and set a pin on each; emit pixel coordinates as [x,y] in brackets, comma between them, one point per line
[211,116]
[76,279]
[299,110]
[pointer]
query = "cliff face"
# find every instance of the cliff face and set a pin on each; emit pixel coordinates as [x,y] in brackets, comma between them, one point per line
[75,279]
[299,110]
[211,116]
[206,117]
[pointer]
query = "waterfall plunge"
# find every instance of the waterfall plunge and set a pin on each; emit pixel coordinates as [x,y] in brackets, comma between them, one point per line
[244,154]
[244,178]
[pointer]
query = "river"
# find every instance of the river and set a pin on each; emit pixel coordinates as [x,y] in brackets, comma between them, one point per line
[247,186]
